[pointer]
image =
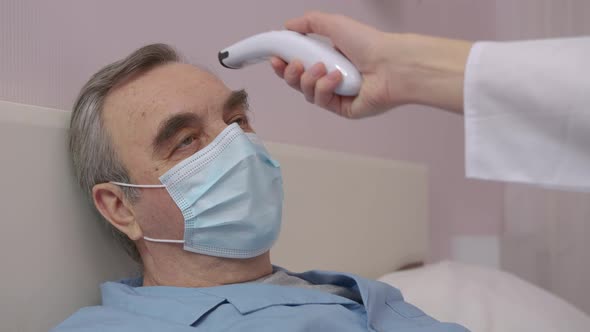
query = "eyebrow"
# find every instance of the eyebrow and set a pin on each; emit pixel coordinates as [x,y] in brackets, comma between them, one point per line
[171,126]
[238,98]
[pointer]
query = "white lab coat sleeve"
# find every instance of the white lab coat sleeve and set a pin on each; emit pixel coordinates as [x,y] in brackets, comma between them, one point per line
[527,112]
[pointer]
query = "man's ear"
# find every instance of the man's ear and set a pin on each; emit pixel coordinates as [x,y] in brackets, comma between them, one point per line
[110,201]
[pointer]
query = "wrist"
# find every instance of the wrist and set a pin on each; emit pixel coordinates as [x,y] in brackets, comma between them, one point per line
[435,70]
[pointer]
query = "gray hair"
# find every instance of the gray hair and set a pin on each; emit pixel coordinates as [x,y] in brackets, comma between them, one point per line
[94,157]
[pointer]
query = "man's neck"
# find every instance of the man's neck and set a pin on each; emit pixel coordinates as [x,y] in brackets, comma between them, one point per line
[195,270]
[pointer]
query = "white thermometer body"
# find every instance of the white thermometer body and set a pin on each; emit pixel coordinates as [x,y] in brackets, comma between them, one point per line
[290,45]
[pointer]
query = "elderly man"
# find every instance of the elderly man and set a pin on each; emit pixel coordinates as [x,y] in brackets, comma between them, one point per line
[171,162]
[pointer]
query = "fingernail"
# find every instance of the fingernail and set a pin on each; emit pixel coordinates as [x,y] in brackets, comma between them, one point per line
[334,76]
[317,70]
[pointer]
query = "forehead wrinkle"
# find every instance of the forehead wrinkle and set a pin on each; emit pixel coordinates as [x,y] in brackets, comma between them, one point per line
[157,93]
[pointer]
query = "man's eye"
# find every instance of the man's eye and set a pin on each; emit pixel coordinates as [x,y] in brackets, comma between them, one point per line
[186,142]
[240,120]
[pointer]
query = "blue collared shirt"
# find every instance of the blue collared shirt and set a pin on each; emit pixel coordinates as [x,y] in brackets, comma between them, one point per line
[254,307]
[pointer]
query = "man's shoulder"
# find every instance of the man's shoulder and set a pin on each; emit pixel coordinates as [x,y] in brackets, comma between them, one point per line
[108,319]
[95,318]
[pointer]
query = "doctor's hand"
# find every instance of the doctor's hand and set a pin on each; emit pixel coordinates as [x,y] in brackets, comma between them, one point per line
[397,69]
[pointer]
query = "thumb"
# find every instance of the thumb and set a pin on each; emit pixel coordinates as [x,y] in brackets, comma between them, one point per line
[349,36]
[335,27]
[312,22]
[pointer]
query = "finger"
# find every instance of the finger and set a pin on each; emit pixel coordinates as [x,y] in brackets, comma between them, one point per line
[325,87]
[293,73]
[345,108]
[328,99]
[341,105]
[309,79]
[350,37]
[336,27]
[312,22]
[278,66]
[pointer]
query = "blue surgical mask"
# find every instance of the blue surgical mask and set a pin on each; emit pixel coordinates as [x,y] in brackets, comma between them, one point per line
[230,194]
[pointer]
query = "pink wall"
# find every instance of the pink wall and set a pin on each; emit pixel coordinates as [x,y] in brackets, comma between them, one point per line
[48,49]
[545,235]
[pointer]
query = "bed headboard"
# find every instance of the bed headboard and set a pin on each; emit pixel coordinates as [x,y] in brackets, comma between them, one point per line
[342,212]
[350,213]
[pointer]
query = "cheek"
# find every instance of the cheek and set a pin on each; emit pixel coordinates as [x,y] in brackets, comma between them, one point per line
[158,215]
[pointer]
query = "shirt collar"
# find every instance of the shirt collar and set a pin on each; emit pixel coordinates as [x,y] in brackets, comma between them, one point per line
[187,305]
[373,293]
[267,295]
[250,297]
[183,305]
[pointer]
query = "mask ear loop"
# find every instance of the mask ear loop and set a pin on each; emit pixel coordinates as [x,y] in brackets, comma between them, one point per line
[161,240]
[138,185]
[147,186]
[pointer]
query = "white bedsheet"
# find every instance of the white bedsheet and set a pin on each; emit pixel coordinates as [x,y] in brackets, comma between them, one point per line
[486,300]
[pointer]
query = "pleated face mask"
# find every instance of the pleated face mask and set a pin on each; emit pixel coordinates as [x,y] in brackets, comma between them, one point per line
[230,194]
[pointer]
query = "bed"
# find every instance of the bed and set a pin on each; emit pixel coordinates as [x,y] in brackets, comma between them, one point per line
[342,212]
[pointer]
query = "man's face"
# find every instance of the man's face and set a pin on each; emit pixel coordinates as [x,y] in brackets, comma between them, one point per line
[159,118]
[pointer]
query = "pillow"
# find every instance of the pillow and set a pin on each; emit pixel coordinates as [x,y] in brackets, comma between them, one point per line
[485,299]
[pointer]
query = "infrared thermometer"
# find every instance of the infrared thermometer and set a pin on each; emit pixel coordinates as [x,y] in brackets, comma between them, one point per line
[290,45]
